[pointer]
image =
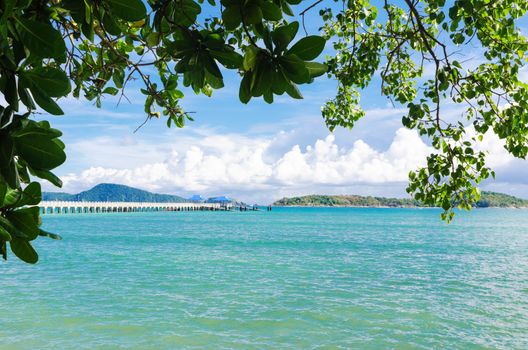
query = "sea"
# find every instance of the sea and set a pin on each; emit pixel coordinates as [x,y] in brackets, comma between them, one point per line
[292,278]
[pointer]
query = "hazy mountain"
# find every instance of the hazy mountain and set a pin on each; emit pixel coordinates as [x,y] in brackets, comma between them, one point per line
[112,193]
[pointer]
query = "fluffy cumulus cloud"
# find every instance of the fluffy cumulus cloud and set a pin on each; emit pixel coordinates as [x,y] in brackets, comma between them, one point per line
[326,163]
[252,169]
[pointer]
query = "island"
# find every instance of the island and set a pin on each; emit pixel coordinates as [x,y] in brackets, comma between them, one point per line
[487,199]
[107,192]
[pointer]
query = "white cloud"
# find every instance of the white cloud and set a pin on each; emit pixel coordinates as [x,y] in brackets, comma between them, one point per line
[242,167]
[266,163]
[263,168]
[511,172]
[326,163]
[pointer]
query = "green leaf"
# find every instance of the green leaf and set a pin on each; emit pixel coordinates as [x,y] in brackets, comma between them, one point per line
[308,48]
[47,175]
[37,128]
[23,250]
[263,32]
[211,66]
[4,235]
[183,64]
[26,221]
[110,90]
[9,227]
[22,171]
[32,194]
[10,91]
[77,9]
[283,36]
[129,10]
[252,14]
[229,59]
[287,9]
[50,235]
[6,149]
[52,80]
[110,25]
[262,78]
[118,78]
[88,30]
[293,91]
[26,98]
[316,69]
[41,39]
[280,83]
[295,69]
[185,12]
[3,191]
[270,11]
[153,39]
[232,17]
[59,143]
[244,92]
[250,58]
[214,41]
[214,81]
[44,101]
[268,97]
[8,170]
[39,152]
[12,197]
[7,6]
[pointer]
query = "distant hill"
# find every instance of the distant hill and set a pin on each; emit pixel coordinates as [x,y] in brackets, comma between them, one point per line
[487,199]
[496,199]
[112,193]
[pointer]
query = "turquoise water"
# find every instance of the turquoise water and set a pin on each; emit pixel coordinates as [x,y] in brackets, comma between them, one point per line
[290,279]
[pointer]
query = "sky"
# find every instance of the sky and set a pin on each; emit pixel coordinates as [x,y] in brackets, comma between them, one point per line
[257,152]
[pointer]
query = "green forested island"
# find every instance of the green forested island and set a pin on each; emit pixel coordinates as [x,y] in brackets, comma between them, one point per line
[113,193]
[487,199]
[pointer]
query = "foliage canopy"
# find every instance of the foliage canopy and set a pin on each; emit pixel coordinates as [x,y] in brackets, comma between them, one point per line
[50,49]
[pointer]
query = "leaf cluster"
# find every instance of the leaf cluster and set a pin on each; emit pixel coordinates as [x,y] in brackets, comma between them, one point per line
[27,148]
[277,69]
[411,46]
[95,49]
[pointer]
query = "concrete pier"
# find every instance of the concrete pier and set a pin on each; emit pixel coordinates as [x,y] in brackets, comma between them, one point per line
[59,207]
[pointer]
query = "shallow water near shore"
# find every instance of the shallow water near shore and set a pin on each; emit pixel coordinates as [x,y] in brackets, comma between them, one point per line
[303,278]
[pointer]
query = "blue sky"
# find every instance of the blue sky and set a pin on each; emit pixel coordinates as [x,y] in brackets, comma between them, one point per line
[255,152]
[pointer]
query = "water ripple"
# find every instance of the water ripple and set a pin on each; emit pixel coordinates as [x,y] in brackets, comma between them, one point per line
[293,278]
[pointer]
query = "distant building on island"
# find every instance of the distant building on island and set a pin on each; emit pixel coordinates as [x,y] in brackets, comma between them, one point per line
[196,198]
[220,199]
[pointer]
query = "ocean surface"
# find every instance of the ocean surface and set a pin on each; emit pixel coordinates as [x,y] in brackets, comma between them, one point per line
[293,278]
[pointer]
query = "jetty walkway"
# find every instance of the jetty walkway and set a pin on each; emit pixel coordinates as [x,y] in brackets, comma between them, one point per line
[60,207]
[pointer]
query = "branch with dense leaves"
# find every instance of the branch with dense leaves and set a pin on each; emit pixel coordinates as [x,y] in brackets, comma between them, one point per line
[89,49]
[397,45]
